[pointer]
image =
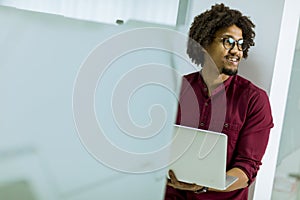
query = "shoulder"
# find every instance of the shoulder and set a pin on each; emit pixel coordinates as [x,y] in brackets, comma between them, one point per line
[192,76]
[248,88]
[256,102]
[254,97]
[189,81]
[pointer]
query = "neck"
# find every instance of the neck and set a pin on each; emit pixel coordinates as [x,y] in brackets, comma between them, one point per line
[212,78]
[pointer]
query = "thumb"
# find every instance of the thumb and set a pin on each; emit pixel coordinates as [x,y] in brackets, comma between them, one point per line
[172,175]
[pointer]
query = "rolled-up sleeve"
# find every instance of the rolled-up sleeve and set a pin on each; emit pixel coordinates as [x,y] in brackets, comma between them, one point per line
[254,135]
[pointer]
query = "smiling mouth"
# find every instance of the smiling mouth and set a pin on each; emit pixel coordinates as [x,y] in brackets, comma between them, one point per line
[233,59]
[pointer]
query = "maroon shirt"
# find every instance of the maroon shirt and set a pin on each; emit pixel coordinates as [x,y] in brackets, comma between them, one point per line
[237,108]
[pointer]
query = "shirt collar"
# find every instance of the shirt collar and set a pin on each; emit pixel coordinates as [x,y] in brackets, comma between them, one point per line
[218,89]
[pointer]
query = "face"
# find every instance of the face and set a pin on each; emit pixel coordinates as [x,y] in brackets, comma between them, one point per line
[226,60]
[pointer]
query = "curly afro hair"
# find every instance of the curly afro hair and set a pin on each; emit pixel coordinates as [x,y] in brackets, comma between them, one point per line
[205,25]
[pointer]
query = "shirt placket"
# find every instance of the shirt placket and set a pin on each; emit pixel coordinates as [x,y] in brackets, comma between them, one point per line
[205,110]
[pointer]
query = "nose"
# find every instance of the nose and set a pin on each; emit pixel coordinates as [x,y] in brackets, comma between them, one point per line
[234,49]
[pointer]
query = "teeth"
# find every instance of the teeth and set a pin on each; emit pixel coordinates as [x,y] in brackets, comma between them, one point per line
[233,59]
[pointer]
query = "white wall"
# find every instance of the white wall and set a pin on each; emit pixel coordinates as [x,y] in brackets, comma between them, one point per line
[288,161]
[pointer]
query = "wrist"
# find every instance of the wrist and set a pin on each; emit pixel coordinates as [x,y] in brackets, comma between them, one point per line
[202,190]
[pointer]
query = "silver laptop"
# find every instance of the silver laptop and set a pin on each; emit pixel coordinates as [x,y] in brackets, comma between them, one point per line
[199,156]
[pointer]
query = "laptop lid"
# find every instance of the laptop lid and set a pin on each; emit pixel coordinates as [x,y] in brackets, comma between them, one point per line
[200,157]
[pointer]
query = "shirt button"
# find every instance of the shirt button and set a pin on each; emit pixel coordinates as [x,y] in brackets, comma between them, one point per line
[206,104]
[202,124]
[226,125]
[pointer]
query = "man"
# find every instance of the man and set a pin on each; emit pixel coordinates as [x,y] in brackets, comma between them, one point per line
[228,103]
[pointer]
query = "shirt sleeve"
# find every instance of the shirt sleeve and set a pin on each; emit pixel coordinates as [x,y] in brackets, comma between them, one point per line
[254,135]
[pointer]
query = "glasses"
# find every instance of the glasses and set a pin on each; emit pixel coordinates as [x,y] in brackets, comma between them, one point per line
[229,43]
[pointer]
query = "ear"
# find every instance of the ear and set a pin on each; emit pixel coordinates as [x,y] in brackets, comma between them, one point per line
[204,52]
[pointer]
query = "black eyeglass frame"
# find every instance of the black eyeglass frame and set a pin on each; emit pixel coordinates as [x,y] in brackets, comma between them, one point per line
[241,47]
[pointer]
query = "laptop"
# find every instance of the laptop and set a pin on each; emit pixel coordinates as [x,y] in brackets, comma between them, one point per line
[199,156]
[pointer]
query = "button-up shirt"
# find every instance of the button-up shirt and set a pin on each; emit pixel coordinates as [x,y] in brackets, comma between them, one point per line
[236,108]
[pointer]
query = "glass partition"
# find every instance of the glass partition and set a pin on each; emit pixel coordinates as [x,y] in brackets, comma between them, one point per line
[287,177]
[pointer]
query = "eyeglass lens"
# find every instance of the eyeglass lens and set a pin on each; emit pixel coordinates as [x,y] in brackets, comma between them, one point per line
[229,43]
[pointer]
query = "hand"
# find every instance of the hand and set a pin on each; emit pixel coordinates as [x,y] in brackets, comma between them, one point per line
[173,182]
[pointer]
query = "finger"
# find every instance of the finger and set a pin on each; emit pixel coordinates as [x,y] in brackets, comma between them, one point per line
[188,187]
[172,176]
[175,183]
